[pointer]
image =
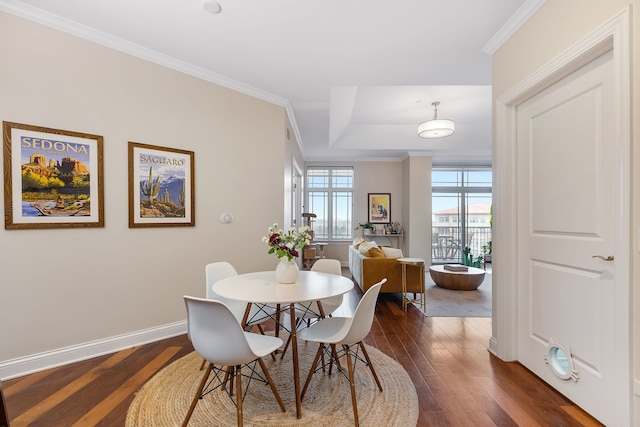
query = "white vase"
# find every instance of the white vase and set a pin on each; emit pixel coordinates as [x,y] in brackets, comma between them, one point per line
[287,271]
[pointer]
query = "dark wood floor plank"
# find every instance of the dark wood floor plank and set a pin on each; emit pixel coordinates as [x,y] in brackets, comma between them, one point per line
[432,419]
[20,384]
[580,416]
[498,415]
[55,399]
[102,409]
[458,390]
[509,404]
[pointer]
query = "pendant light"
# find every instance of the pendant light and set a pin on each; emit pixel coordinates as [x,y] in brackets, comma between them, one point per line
[436,128]
[211,6]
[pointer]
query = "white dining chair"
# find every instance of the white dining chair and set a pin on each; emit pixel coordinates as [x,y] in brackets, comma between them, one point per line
[259,313]
[218,337]
[347,332]
[310,311]
[331,266]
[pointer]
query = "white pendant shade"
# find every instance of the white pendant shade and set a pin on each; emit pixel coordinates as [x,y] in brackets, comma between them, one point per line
[211,6]
[436,128]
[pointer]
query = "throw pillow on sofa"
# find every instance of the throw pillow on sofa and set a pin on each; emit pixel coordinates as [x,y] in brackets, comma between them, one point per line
[357,241]
[375,252]
[392,252]
[364,247]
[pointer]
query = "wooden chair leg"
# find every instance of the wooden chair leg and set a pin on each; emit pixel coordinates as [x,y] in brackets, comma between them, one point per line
[231,372]
[334,356]
[366,356]
[286,345]
[271,384]
[313,368]
[238,374]
[352,386]
[323,362]
[197,396]
[228,377]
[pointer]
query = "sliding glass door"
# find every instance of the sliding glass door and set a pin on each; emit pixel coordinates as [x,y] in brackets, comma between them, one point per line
[461,217]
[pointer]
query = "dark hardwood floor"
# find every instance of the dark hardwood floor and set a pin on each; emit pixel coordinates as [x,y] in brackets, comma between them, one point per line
[459,383]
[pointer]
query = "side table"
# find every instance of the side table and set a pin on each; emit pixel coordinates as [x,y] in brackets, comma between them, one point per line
[419,263]
[312,253]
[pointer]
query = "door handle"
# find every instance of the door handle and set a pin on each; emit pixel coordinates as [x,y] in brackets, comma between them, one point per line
[609,258]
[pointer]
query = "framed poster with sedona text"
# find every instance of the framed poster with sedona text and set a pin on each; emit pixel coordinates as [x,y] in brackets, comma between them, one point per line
[161,187]
[52,178]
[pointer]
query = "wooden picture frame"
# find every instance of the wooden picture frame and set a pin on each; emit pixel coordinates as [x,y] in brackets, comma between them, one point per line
[52,178]
[379,208]
[161,186]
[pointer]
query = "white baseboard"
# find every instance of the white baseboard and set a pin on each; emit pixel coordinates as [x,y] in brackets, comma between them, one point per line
[63,356]
[493,344]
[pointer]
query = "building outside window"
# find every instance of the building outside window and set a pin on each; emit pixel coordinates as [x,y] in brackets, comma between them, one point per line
[330,197]
[461,217]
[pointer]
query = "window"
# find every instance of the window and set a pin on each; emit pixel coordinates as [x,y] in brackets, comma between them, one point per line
[461,214]
[330,197]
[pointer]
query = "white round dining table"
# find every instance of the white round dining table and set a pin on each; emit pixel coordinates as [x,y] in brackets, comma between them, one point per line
[262,287]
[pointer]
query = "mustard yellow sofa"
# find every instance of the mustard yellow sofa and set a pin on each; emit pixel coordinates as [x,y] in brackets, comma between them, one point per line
[367,271]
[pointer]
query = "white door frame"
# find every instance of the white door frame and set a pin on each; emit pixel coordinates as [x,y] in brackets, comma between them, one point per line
[613,35]
[296,195]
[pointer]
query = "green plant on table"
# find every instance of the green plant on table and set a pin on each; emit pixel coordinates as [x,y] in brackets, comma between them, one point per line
[486,249]
[365,225]
[469,260]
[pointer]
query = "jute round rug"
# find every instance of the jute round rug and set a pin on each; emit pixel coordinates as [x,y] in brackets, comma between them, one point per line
[165,398]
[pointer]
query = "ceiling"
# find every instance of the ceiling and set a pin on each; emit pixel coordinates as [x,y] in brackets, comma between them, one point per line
[356,77]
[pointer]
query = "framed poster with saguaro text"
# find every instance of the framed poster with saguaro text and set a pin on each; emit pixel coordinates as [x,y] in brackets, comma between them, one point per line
[161,187]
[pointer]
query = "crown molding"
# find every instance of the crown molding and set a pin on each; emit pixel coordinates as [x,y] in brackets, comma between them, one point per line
[514,23]
[59,23]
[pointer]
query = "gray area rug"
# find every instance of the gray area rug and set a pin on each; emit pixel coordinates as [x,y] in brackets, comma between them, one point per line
[449,303]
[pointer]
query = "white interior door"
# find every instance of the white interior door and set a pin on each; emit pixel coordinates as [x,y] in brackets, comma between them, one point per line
[567,204]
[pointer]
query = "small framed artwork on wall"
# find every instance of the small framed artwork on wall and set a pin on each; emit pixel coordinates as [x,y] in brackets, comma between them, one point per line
[161,187]
[379,208]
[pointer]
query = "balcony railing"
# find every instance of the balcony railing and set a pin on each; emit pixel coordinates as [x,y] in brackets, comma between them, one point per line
[446,245]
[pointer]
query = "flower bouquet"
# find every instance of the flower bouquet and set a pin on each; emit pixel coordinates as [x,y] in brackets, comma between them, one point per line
[286,243]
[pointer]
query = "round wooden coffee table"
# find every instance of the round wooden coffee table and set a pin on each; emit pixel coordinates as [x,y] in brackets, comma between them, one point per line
[457,280]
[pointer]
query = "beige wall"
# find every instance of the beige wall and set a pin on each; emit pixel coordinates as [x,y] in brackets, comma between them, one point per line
[65,287]
[558,25]
[416,203]
[377,177]
[370,177]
